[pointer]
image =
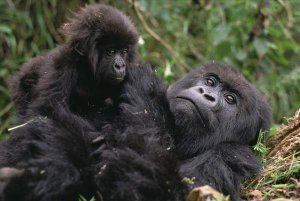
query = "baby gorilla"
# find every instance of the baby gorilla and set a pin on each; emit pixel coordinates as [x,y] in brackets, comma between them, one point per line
[83,75]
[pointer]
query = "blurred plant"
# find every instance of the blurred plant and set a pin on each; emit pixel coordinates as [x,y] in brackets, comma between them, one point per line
[260,148]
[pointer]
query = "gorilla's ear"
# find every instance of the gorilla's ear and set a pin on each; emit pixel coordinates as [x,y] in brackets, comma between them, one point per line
[265,115]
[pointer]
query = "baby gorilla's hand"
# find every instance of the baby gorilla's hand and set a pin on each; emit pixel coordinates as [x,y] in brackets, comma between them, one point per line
[12,178]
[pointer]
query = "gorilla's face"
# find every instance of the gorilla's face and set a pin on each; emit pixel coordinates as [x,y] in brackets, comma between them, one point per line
[106,38]
[215,104]
[109,59]
[112,65]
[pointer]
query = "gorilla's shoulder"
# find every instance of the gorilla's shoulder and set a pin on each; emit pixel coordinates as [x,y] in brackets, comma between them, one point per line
[143,89]
[143,78]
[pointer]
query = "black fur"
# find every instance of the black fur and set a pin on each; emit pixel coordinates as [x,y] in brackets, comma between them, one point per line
[85,73]
[48,160]
[144,152]
[132,155]
[218,156]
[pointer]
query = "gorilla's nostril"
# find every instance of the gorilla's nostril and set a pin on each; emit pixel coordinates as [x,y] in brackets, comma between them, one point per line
[209,97]
[201,90]
[119,67]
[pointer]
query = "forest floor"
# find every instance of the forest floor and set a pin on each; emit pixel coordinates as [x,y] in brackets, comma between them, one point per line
[280,178]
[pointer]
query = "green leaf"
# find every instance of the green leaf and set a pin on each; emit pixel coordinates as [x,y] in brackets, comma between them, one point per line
[168,70]
[222,50]
[261,46]
[5,29]
[241,55]
[220,33]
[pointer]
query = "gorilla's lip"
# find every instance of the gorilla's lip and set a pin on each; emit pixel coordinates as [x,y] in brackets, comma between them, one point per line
[119,79]
[195,105]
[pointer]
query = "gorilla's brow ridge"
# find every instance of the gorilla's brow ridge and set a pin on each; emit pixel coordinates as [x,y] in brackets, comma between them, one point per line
[214,75]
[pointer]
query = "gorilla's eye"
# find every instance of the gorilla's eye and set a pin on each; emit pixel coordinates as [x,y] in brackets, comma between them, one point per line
[125,51]
[110,52]
[230,99]
[210,81]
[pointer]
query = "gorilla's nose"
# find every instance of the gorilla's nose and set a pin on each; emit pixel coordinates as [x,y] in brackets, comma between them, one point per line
[209,97]
[119,68]
[206,95]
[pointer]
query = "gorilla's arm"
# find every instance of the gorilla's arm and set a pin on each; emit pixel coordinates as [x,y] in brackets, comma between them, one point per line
[55,84]
[223,167]
[136,166]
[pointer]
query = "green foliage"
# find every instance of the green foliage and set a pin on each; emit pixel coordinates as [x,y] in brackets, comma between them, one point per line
[260,148]
[260,38]
[81,198]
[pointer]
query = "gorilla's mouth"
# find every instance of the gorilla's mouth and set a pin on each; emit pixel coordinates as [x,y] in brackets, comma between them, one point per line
[199,113]
[118,79]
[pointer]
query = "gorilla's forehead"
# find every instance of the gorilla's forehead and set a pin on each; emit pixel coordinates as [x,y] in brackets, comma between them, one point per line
[97,21]
[115,40]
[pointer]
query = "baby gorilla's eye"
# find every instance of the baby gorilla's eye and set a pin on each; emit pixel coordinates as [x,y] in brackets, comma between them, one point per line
[230,99]
[210,81]
[110,52]
[125,51]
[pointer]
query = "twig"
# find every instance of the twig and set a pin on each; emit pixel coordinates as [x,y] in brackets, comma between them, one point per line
[29,121]
[289,15]
[148,29]
[262,20]
[183,65]
[19,126]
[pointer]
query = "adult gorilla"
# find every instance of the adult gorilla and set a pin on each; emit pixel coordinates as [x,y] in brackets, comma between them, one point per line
[208,119]
[211,116]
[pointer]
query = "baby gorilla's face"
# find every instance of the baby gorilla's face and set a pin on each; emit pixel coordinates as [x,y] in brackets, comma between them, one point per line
[112,65]
[215,104]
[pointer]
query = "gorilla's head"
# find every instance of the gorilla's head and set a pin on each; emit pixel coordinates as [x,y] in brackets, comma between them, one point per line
[215,104]
[106,38]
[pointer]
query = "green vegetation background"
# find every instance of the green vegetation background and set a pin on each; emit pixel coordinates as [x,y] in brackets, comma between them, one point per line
[260,38]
